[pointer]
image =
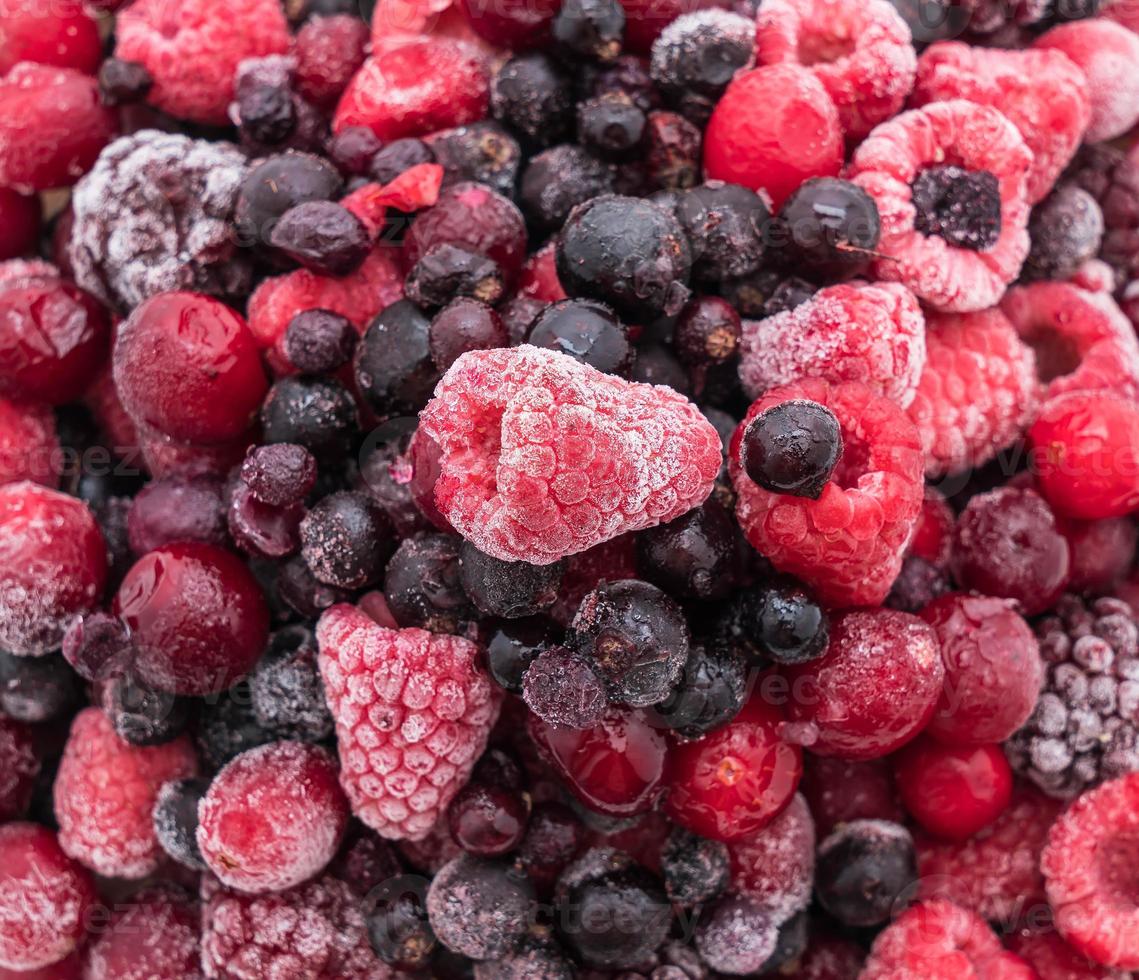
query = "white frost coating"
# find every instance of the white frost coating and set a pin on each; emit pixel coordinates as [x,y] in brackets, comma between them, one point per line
[776,867]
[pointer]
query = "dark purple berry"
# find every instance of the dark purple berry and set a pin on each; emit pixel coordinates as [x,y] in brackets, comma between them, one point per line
[1066,230]
[695,556]
[299,589]
[176,508]
[592,29]
[352,150]
[588,332]
[227,726]
[533,95]
[672,153]
[961,206]
[346,540]
[695,869]
[709,694]
[385,474]
[285,688]
[748,294]
[513,646]
[501,768]
[123,82]
[142,715]
[532,959]
[463,325]
[483,152]
[611,127]
[509,589]
[917,585]
[317,413]
[699,53]
[487,820]
[562,688]
[790,944]
[726,225]
[422,584]
[792,448]
[448,272]
[279,474]
[393,366]
[322,236]
[480,907]
[707,332]
[828,226]
[788,294]
[267,112]
[176,820]
[98,646]
[277,184]
[320,341]
[263,530]
[397,157]
[864,871]
[790,625]
[553,837]
[517,314]
[397,923]
[656,365]
[737,935]
[35,689]
[557,180]
[627,76]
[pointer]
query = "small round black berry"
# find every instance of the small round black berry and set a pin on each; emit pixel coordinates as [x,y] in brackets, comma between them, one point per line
[709,694]
[828,226]
[788,294]
[593,29]
[123,82]
[320,341]
[346,540]
[562,688]
[487,820]
[422,584]
[447,272]
[398,928]
[695,869]
[790,944]
[316,413]
[1065,229]
[398,156]
[510,589]
[673,149]
[792,627]
[463,325]
[707,332]
[553,837]
[480,907]
[533,96]
[352,150]
[279,474]
[792,448]
[142,715]
[227,726]
[557,180]
[267,112]
[277,184]
[695,556]
[514,645]
[725,224]
[322,236]
[700,52]
[961,206]
[586,331]
[34,689]
[484,152]
[655,364]
[611,127]
[393,366]
[176,820]
[300,591]
[864,871]
[286,690]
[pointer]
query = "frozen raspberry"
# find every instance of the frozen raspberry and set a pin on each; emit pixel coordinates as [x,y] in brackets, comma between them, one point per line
[52,127]
[1108,54]
[69,968]
[1053,959]
[419,87]
[20,216]
[1082,340]
[197,617]
[316,931]
[63,35]
[996,872]
[29,447]
[105,793]
[544,456]
[1101,552]
[193,49]
[1088,868]
[411,734]
[1040,92]
[977,393]
[273,817]
[873,334]
[937,940]
[892,163]
[517,26]
[840,791]
[860,702]
[1084,452]
[847,545]
[153,216]
[19,766]
[775,866]
[157,935]
[53,566]
[862,53]
[45,898]
[1084,728]
[774,128]
[993,670]
[329,50]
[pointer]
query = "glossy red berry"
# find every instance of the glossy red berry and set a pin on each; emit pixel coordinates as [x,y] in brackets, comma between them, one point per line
[60,34]
[952,791]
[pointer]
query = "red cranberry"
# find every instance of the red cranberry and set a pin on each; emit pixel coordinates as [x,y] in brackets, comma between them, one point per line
[840,791]
[952,791]
[197,615]
[19,223]
[1101,551]
[261,529]
[511,25]
[738,778]
[54,34]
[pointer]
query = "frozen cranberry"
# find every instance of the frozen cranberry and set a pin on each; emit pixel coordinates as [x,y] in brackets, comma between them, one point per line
[61,34]
[1101,551]
[197,615]
[953,791]
[53,338]
[177,509]
[19,766]
[187,365]
[29,446]
[511,25]
[873,690]
[329,50]
[19,223]
[840,791]
[738,778]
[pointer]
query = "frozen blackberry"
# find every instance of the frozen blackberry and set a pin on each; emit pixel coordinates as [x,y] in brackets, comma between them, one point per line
[563,689]
[592,29]
[695,869]
[484,152]
[320,341]
[463,325]
[628,253]
[277,184]
[398,927]
[322,236]
[961,206]
[423,587]
[611,912]
[1084,728]
[865,872]
[557,180]
[792,448]
[316,413]
[34,689]
[346,540]
[393,367]
[725,225]
[636,637]
[533,95]
[828,226]
[709,694]
[123,82]
[480,908]
[695,556]
[1066,230]
[700,52]
[152,216]
[226,727]
[587,331]
[510,589]
[487,819]
[737,935]
[285,688]
[448,272]
[513,646]
[176,820]
[399,156]
[143,715]
[611,126]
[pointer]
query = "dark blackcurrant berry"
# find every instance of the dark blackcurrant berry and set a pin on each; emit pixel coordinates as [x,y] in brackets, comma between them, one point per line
[279,474]
[628,253]
[143,715]
[1065,229]
[267,112]
[463,325]
[533,96]
[397,157]
[448,272]
[316,413]
[792,448]
[501,768]
[695,556]
[487,820]
[176,820]
[385,472]
[553,837]
[320,341]
[588,332]
[277,184]
[790,944]
[514,645]
[286,690]
[398,928]
[864,872]
[517,314]
[34,689]
[480,907]
[656,365]
[707,332]
[611,126]
[635,636]
[593,29]
[726,225]
[352,150]
[422,584]
[558,180]
[828,226]
[699,53]
[302,592]
[346,540]
[792,626]
[227,726]
[393,366]
[748,294]
[788,294]
[510,589]
[322,236]
[484,152]
[672,151]
[709,694]
[98,647]
[123,82]
[563,688]
[628,76]
[736,935]
[961,206]
[695,869]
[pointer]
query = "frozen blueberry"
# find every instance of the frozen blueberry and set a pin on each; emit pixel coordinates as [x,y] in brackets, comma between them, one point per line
[828,226]
[398,156]
[695,556]
[446,272]
[484,152]
[226,727]
[611,126]
[322,236]
[176,820]
[277,184]
[286,690]
[320,341]
[792,448]
[737,935]
[707,332]
[864,871]
[591,29]
[464,324]
[791,626]
[479,907]
[557,180]
[700,52]
[1065,229]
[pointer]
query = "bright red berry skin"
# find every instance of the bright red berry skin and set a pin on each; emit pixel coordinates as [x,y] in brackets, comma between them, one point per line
[953,791]
[328,52]
[188,365]
[734,781]
[775,866]
[874,689]
[197,617]
[57,34]
[1086,454]
[20,216]
[157,934]
[514,26]
[774,128]
[29,446]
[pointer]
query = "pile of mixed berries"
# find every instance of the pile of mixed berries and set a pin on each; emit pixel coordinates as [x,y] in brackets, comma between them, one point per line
[569,489]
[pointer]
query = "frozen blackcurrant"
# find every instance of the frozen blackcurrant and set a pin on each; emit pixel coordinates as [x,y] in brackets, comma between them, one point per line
[510,589]
[865,870]
[828,226]
[393,367]
[588,332]
[792,448]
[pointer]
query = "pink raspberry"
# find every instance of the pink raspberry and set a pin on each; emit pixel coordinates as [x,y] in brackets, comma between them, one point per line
[105,793]
[273,817]
[544,456]
[329,50]
[1054,959]
[861,51]
[775,866]
[158,934]
[849,544]
[954,141]
[70,968]
[1089,873]
[316,931]
[1083,341]
[995,873]
[873,334]
[977,393]
[45,898]
[29,448]
[1108,54]
[1040,92]
[192,49]
[413,711]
